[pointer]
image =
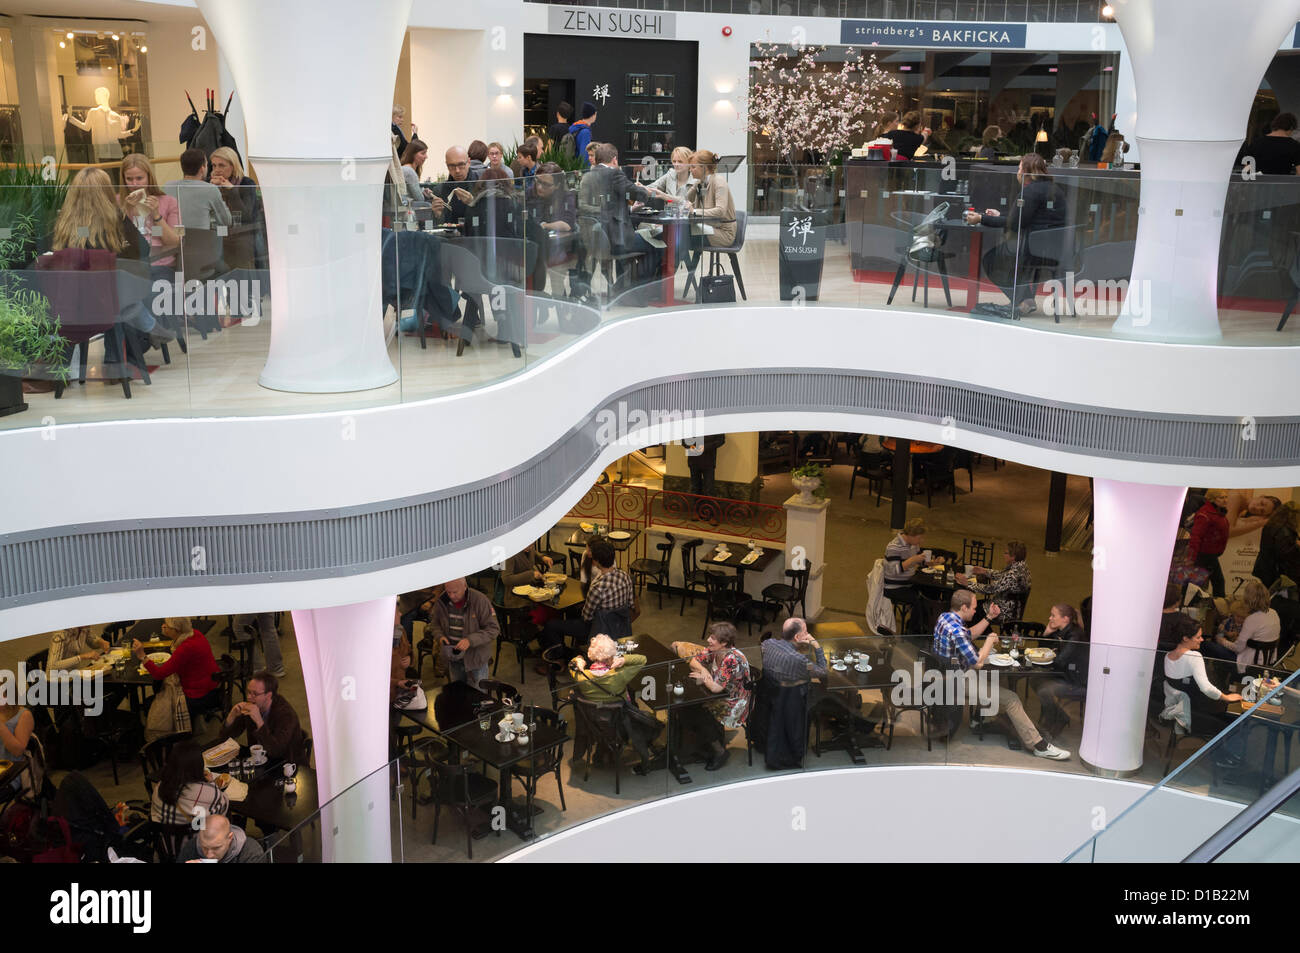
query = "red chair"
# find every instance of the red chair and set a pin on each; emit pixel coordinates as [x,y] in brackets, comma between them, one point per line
[81,286]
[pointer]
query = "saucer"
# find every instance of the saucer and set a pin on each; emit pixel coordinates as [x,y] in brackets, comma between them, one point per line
[862,668]
[840,667]
[504,739]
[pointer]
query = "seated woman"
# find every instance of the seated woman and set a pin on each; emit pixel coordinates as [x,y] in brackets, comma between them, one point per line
[552,221]
[1006,588]
[16,727]
[524,568]
[150,208]
[1009,264]
[413,157]
[1190,699]
[988,145]
[90,218]
[186,789]
[1070,664]
[70,647]
[722,669]
[674,185]
[603,677]
[243,247]
[191,659]
[709,201]
[1261,624]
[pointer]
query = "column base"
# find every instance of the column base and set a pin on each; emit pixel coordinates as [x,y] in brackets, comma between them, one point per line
[1110,774]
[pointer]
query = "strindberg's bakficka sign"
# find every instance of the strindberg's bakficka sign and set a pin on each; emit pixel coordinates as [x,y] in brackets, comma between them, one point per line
[992,36]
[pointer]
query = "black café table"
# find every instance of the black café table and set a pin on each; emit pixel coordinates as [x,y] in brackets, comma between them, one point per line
[484,746]
[837,683]
[665,668]
[267,805]
[676,231]
[512,606]
[577,541]
[735,561]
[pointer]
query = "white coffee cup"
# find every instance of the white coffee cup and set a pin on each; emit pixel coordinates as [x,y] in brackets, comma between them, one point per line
[928,554]
[518,719]
[970,570]
[258,752]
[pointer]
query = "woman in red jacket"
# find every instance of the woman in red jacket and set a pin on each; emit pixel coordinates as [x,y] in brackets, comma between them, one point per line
[191,661]
[1210,537]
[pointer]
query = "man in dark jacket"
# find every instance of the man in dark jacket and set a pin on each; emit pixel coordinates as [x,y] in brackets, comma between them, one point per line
[1279,553]
[702,461]
[464,625]
[603,194]
[267,718]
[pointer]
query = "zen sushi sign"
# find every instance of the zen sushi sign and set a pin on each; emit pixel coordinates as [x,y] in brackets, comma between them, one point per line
[589,21]
[984,36]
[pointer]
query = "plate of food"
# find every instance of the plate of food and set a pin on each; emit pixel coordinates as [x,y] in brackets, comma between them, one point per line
[522,590]
[158,658]
[620,534]
[587,527]
[1040,656]
[221,754]
[1001,660]
[554,578]
[542,594]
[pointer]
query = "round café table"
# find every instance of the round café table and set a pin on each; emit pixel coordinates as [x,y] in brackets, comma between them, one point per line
[918,449]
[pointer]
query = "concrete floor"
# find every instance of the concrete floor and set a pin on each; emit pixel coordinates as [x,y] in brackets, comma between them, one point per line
[1008,503]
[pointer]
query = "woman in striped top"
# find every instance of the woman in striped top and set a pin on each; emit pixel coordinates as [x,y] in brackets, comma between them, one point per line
[186,789]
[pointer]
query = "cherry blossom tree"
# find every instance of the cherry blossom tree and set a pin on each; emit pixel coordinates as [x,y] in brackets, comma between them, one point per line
[798,103]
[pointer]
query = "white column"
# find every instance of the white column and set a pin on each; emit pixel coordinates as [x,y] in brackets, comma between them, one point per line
[805,539]
[1135,526]
[1193,104]
[346,657]
[316,80]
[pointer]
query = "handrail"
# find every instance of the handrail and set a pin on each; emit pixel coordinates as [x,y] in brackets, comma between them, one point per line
[1218,843]
[116,163]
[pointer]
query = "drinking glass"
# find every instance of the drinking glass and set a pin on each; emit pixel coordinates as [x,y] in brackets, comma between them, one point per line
[484,720]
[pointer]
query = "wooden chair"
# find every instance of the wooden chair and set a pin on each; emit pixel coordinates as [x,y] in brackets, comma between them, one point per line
[975,552]
[876,468]
[694,579]
[547,762]
[464,791]
[788,595]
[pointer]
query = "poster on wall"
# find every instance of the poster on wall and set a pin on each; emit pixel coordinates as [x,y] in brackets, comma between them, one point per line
[1246,516]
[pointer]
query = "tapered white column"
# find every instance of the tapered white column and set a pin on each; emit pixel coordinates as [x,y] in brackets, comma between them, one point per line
[805,547]
[1197,64]
[346,657]
[1135,525]
[315,79]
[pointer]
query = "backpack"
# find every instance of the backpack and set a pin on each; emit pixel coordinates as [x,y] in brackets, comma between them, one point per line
[569,145]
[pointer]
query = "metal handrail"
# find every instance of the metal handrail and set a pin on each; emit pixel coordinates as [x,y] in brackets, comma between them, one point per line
[1218,843]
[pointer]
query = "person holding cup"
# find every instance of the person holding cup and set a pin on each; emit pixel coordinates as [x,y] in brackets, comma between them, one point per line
[903,557]
[267,719]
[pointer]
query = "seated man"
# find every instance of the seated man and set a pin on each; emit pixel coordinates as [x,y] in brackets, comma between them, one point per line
[610,595]
[218,841]
[605,191]
[952,641]
[787,675]
[464,626]
[267,719]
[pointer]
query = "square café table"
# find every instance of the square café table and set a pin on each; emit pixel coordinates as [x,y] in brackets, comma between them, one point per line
[733,561]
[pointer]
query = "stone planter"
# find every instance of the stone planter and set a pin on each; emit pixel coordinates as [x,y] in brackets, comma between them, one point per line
[806,486]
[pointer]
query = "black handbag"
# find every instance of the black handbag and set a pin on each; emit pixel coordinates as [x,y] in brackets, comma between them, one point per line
[717,288]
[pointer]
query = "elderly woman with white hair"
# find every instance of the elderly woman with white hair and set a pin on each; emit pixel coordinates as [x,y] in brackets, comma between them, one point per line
[603,677]
[191,660]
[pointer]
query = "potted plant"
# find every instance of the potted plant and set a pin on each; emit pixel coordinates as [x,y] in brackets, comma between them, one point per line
[809,480]
[803,105]
[31,342]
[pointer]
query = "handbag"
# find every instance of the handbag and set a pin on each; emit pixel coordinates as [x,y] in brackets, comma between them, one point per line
[411,697]
[717,288]
[928,235]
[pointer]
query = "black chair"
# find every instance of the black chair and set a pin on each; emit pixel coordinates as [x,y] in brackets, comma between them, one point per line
[510,631]
[788,595]
[557,558]
[499,691]
[935,470]
[922,259]
[965,460]
[239,644]
[1176,737]
[547,762]
[715,265]
[751,724]
[893,711]
[876,468]
[725,601]
[643,570]
[423,643]
[1265,652]
[975,552]
[600,726]
[154,755]
[694,579]
[168,839]
[556,659]
[464,791]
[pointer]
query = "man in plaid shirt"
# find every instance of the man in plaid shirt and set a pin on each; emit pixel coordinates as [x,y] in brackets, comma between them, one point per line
[952,641]
[611,592]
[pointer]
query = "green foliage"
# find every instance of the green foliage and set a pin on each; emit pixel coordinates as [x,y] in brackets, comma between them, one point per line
[29,335]
[553,154]
[812,471]
[28,202]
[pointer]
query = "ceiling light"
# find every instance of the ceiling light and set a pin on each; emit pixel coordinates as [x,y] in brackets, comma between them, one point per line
[1108,11]
[69,36]
[115,36]
[144,49]
[1042,136]
[62,45]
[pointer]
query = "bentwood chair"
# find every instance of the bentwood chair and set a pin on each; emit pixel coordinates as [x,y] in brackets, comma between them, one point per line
[530,772]
[788,594]
[975,552]
[694,579]
[731,251]
[876,468]
[464,791]
[599,731]
[644,570]
[725,601]
[153,757]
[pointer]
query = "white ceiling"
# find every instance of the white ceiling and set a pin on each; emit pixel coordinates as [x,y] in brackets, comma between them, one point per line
[101,9]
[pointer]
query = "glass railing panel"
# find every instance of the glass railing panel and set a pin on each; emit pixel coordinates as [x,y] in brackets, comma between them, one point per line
[1240,757]
[1259,260]
[363,823]
[1276,839]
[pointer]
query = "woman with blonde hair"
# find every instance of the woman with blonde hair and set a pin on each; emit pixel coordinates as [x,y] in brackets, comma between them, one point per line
[710,200]
[673,184]
[1115,149]
[156,214]
[241,248]
[1262,624]
[91,219]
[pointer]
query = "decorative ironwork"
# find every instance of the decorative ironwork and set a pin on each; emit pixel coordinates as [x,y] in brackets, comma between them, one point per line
[624,506]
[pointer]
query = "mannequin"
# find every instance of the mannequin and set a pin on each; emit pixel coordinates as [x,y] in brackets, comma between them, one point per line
[106,127]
